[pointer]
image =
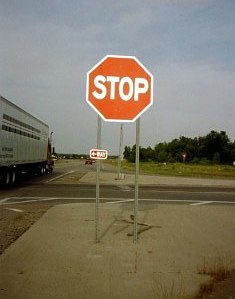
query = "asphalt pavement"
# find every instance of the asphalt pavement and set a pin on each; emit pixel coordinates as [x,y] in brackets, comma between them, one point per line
[59,257]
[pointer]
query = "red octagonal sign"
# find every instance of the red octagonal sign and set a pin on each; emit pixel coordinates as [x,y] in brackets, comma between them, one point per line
[119,88]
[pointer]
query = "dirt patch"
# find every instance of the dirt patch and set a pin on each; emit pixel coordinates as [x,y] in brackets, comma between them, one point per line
[225,289]
[16,219]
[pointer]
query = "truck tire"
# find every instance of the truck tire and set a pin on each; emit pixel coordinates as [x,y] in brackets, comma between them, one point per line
[13,177]
[7,178]
[41,170]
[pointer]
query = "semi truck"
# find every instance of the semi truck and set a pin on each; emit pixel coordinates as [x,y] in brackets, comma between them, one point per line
[25,144]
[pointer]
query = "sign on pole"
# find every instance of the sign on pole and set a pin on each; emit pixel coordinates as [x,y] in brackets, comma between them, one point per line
[98,154]
[119,89]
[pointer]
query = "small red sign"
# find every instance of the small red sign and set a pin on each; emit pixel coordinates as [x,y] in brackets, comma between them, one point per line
[98,154]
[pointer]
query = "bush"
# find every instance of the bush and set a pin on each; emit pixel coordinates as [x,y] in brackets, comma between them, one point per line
[195,160]
[204,161]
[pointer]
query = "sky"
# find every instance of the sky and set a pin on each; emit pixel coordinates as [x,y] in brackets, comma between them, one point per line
[48,46]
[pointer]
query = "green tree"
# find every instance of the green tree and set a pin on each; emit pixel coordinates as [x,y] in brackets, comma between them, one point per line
[127,153]
[215,143]
[215,147]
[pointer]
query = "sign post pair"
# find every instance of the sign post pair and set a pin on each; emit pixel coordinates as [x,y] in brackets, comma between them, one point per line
[119,89]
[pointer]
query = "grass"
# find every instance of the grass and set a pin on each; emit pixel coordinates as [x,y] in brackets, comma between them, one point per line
[180,169]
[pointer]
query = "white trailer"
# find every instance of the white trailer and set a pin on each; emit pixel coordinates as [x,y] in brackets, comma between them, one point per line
[25,145]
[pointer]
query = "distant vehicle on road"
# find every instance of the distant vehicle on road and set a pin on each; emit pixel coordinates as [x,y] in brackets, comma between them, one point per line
[89,161]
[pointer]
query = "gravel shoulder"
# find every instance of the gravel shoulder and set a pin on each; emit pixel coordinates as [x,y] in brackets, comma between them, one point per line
[17,219]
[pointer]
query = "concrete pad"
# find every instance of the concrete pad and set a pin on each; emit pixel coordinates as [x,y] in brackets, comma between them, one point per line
[58,257]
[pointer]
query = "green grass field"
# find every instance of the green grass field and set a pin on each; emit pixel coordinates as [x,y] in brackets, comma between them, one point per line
[181,169]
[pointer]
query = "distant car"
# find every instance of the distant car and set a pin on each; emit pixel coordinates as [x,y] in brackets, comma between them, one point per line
[89,161]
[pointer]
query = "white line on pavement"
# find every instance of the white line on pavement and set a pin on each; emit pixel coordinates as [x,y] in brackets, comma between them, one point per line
[120,201]
[125,188]
[24,199]
[191,202]
[201,203]
[28,199]
[4,199]
[60,176]
[14,210]
[17,200]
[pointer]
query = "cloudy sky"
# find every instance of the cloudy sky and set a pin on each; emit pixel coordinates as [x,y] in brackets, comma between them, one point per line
[48,46]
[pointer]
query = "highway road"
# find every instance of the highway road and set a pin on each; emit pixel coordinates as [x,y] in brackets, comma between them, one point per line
[55,188]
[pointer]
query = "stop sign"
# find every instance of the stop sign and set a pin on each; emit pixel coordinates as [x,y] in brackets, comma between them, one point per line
[119,88]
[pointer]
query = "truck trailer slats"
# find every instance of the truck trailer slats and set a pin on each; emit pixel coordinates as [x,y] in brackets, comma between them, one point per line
[25,144]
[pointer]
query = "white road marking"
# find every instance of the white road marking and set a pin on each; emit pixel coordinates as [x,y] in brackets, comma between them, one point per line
[14,210]
[24,199]
[4,199]
[28,199]
[60,176]
[117,200]
[17,200]
[125,188]
[201,203]
[120,201]
[191,202]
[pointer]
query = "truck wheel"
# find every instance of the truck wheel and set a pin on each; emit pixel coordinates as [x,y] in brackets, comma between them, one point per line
[7,178]
[13,177]
[42,170]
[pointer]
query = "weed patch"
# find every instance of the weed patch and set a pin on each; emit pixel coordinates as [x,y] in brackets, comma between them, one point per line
[218,269]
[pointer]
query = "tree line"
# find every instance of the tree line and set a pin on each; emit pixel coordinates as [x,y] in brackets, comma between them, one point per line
[215,148]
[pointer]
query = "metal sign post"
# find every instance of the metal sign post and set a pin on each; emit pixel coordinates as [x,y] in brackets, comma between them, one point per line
[97,182]
[120,152]
[137,155]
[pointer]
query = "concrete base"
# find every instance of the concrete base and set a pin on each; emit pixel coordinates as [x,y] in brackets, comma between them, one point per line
[59,258]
